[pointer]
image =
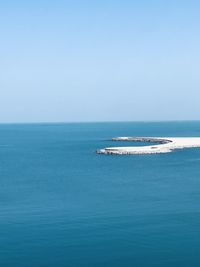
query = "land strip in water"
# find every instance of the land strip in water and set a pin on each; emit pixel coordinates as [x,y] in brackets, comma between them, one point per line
[164,145]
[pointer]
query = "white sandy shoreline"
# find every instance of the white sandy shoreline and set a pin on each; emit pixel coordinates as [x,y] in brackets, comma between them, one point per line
[165,145]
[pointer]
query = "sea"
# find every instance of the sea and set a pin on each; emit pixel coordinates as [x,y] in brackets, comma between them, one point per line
[63,205]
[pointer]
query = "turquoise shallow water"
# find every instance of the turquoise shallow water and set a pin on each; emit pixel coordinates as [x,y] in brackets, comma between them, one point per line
[61,204]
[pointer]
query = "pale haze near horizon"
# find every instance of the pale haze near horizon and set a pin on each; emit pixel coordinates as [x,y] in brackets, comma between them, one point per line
[99,61]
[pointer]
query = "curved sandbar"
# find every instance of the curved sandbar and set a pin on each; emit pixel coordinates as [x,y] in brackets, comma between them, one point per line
[165,145]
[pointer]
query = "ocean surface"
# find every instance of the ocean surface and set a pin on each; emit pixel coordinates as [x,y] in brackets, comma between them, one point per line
[61,204]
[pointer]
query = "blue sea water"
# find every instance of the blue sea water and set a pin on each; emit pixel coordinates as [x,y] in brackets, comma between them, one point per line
[61,204]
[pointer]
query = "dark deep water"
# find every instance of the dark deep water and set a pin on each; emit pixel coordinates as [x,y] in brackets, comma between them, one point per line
[61,204]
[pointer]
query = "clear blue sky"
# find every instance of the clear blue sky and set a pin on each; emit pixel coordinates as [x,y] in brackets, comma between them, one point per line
[102,60]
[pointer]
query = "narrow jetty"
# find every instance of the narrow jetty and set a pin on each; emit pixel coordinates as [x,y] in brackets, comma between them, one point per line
[163,145]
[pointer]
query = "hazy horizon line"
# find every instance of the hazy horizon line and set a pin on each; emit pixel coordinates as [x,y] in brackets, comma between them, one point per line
[113,121]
